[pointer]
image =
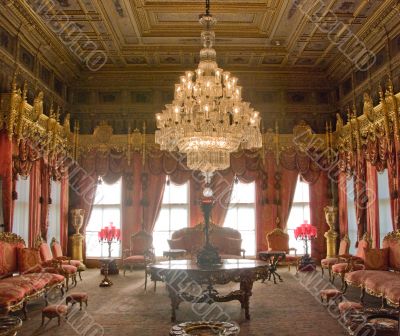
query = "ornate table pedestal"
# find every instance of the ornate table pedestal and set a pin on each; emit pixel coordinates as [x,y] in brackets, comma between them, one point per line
[185,280]
[273,257]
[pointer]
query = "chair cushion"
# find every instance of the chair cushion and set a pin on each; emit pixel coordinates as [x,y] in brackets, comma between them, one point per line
[78,296]
[392,293]
[377,259]
[8,257]
[69,269]
[349,305]
[329,261]
[291,258]
[134,259]
[31,282]
[393,243]
[56,279]
[45,252]
[10,294]
[55,310]
[342,267]
[56,249]
[29,260]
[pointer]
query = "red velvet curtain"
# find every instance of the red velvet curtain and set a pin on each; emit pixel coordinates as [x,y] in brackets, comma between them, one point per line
[342,199]
[64,213]
[394,195]
[288,187]
[152,195]
[45,196]
[373,204]
[34,203]
[318,200]
[6,176]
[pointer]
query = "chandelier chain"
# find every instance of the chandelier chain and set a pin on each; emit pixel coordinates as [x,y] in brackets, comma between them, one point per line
[207,7]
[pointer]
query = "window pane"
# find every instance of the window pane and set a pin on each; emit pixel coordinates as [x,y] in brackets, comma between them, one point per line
[241,215]
[351,215]
[301,193]
[160,242]
[385,215]
[54,212]
[249,242]
[108,193]
[174,215]
[179,218]
[178,194]
[246,218]
[231,218]
[243,193]
[102,215]
[21,209]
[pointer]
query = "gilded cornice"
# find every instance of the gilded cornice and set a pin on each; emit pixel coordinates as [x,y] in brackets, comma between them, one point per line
[23,121]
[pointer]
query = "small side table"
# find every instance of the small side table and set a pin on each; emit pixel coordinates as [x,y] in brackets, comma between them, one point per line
[273,257]
[10,325]
[174,253]
[111,264]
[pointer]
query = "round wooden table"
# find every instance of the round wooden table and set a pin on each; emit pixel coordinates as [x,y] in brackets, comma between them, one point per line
[177,274]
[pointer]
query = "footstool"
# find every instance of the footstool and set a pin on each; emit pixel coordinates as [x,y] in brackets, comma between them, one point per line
[329,294]
[344,307]
[77,298]
[53,311]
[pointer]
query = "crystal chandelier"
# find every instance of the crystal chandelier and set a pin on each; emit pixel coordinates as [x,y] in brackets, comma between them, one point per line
[208,120]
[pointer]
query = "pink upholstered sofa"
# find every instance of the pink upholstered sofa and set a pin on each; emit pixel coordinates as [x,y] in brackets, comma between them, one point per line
[20,283]
[381,283]
[227,240]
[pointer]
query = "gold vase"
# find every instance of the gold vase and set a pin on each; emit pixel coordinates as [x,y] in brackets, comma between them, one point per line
[331,235]
[76,240]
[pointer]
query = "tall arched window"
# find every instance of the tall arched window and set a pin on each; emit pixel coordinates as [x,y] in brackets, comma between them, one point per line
[299,213]
[106,210]
[54,212]
[21,209]
[174,215]
[241,215]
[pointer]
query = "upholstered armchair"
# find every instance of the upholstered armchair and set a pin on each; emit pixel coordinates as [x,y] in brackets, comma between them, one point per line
[349,263]
[56,249]
[52,265]
[140,253]
[327,263]
[278,240]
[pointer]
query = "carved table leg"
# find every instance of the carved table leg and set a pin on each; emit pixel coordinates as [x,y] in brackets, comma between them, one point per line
[246,286]
[173,293]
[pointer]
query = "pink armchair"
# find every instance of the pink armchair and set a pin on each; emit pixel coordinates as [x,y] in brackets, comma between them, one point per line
[327,263]
[53,265]
[349,263]
[140,253]
[278,240]
[56,249]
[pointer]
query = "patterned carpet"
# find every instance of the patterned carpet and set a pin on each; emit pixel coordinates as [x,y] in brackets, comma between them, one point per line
[288,308]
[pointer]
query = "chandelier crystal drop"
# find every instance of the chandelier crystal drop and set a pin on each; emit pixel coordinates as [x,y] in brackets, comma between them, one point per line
[208,120]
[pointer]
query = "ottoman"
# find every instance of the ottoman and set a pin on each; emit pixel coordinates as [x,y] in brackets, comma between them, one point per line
[53,311]
[77,298]
[329,294]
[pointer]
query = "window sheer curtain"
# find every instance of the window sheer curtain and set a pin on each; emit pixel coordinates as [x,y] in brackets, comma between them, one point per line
[385,215]
[54,228]
[21,209]
[351,216]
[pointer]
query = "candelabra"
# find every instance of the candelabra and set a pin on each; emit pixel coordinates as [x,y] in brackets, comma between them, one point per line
[306,232]
[108,235]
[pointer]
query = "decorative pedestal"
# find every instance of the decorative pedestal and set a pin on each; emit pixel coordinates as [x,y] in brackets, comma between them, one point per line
[331,235]
[112,267]
[106,282]
[76,241]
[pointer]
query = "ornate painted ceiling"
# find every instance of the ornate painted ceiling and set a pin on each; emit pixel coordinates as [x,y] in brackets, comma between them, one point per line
[253,33]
